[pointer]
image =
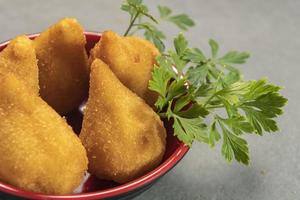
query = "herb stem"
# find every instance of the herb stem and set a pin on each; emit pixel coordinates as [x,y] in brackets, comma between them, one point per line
[209,99]
[162,115]
[131,23]
[212,107]
[134,31]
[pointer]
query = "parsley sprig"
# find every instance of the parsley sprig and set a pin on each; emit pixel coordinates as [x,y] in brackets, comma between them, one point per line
[142,20]
[206,97]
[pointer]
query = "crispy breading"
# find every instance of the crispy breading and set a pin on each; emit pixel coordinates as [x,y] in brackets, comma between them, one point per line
[131,59]
[63,65]
[39,151]
[123,136]
[19,58]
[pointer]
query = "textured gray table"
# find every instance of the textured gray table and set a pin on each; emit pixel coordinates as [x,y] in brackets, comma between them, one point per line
[269,29]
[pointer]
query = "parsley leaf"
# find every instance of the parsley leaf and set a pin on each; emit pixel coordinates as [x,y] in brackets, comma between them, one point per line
[189,129]
[161,75]
[234,146]
[214,135]
[205,96]
[164,11]
[234,57]
[142,20]
[195,98]
[261,104]
[152,34]
[180,44]
[214,47]
[197,75]
[194,55]
[182,21]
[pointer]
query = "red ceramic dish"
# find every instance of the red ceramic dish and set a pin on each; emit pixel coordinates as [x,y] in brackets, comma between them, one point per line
[93,188]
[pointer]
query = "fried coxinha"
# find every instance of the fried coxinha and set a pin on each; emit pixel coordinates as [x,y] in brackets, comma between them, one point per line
[63,67]
[131,59]
[19,58]
[123,136]
[39,151]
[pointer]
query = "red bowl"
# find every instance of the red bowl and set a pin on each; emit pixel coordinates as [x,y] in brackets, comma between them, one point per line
[93,188]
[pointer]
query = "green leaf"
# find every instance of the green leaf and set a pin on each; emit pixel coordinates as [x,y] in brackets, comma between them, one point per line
[260,101]
[176,88]
[234,146]
[195,111]
[130,6]
[156,40]
[137,6]
[160,103]
[183,21]
[194,55]
[214,47]
[180,44]
[204,90]
[179,64]
[258,88]
[234,57]
[214,73]
[229,102]
[161,76]
[153,34]
[197,75]
[181,102]
[214,135]
[144,11]
[181,134]
[239,125]
[232,77]
[164,11]
[239,88]
[262,110]
[190,129]
[260,121]
[152,29]
[135,2]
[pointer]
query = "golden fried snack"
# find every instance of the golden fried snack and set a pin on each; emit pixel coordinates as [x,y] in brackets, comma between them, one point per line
[39,151]
[19,59]
[63,65]
[131,59]
[123,136]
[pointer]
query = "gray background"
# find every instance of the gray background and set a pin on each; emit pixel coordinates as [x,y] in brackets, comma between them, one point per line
[269,29]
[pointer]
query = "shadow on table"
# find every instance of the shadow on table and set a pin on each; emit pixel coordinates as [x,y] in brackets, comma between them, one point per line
[233,183]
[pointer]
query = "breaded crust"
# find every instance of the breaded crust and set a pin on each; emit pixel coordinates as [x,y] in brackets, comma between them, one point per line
[63,65]
[123,136]
[19,59]
[131,59]
[39,151]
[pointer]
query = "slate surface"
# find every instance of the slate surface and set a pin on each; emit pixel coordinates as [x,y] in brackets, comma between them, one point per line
[269,29]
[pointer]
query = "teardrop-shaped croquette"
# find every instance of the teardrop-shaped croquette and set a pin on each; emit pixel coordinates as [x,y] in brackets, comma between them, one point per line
[131,59]
[63,65]
[39,151]
[19,59]
[123,136]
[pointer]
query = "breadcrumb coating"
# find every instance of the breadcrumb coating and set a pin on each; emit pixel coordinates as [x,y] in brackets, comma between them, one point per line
[123,136]
[131,59]
[63,65]
[39,151]
[19,59]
